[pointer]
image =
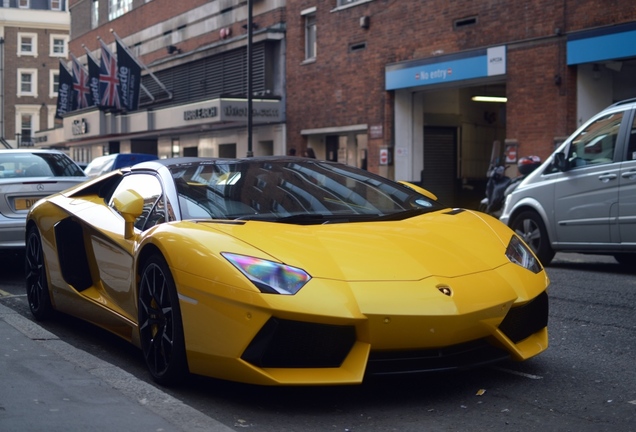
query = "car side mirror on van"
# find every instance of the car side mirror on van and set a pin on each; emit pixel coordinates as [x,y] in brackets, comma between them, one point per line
[560,162]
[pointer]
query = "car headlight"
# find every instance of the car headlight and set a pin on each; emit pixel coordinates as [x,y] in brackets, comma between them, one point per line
[269,276]
[518,253]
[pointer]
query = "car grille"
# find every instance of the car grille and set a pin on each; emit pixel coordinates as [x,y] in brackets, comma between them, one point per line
[294,344]
[525,320]
[457,357]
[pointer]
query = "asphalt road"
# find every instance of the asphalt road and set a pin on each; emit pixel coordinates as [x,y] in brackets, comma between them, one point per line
[585,381]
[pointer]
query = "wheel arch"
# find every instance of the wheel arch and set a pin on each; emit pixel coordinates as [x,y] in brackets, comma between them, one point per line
[530,204]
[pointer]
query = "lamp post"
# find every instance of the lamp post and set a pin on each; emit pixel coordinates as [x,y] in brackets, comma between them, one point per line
[249,79]
[17,138]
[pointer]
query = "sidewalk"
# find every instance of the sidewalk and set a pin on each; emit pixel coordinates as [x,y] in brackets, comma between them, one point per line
[49,385]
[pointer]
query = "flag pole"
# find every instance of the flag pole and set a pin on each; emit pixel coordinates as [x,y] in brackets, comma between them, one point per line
[141,65]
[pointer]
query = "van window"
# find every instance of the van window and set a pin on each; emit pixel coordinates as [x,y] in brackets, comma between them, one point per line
[596,143]
[631,149]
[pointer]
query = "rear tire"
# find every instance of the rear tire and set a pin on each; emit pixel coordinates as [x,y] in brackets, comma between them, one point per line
[37,287]
[160,324]
[530,227]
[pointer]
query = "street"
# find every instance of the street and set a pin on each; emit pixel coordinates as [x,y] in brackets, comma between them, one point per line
[583,382]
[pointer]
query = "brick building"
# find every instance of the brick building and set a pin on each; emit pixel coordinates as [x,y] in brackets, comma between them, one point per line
[33,38]
[194,94]
[381,84]
[389,84]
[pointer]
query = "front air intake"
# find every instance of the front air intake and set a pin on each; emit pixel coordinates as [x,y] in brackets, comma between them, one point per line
[295,344]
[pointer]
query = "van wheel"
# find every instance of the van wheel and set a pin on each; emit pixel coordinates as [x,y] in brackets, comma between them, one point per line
[530,227]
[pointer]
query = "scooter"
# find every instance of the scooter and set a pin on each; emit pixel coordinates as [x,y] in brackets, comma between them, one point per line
[499,185]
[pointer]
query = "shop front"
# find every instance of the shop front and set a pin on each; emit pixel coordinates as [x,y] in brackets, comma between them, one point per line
[211,128]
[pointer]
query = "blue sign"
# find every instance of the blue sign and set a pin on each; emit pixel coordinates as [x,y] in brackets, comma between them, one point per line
[597,45]
[454,67]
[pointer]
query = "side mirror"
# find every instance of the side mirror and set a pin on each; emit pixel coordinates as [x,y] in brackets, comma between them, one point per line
[420,190]
[560,162]
[130,205]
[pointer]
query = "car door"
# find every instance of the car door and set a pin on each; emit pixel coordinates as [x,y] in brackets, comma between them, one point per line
[627,190]
[587,194]
[113,253]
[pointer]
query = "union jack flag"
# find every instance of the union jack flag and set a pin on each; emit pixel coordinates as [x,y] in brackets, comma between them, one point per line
[81,90]
[108,79]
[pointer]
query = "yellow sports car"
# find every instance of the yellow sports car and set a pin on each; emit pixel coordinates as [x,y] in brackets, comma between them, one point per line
[284,271]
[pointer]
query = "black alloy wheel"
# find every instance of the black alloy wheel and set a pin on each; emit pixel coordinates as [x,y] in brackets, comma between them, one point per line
[530,227]
[160,325]
[37,287]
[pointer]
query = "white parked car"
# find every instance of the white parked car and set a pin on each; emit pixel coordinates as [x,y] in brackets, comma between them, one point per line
[25,177]
[583,197]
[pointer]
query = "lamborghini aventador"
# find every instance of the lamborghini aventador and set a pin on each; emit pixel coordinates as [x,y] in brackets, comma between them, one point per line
[284,271]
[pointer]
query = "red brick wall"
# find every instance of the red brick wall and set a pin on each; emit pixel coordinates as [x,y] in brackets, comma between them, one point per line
[342,88]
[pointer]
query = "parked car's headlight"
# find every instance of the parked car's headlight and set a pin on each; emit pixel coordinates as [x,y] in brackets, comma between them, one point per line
[519,253]
[268,276]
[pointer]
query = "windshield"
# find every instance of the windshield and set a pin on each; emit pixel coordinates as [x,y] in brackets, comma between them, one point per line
[292,191]
[36,164]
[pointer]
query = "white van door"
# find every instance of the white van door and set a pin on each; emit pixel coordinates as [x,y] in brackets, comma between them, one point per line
[627,191]
[586,193]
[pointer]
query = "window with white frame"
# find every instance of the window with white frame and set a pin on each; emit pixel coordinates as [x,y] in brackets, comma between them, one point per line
[117,8]
[94,14]
[54,82]
[27,120]
[24,4]
[58,45]
[27,82]
[56,5]
[309,16]
[50,118]
[27,44]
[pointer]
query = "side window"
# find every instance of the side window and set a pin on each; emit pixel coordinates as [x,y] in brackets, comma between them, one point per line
[149,187]
[596,143]
[631,149]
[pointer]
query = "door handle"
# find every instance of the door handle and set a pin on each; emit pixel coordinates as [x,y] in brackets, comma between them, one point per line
[607,177]
[631,175]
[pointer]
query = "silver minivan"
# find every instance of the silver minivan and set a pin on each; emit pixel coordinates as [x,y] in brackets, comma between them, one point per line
[583,197]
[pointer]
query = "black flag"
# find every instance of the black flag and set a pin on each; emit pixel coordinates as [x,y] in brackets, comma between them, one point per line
[93,78]
[64,92]
[129,73]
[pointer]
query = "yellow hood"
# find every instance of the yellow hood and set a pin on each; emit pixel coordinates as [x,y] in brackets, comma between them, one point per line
[442,243]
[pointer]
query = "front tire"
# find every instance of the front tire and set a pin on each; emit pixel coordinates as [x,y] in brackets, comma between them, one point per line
[530,227]
[160,324]
[37,287]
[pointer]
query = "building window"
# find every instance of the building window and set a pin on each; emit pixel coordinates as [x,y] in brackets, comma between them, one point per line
[54,83]
[27,44]
[27,82]
[117,8]
[24,4]
[58,45]
[94,14]
[309,16]
[56,5]
[26,126]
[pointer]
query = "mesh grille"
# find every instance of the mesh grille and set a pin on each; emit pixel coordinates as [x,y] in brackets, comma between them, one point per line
[523,321]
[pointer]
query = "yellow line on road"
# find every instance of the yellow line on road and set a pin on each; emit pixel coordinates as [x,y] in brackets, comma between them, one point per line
[5,294]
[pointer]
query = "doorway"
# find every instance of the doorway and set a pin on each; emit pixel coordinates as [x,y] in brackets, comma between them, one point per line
[440,163]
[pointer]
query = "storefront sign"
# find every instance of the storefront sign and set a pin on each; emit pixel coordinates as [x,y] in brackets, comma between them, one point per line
[79,127]
[454,67]
[200,113]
